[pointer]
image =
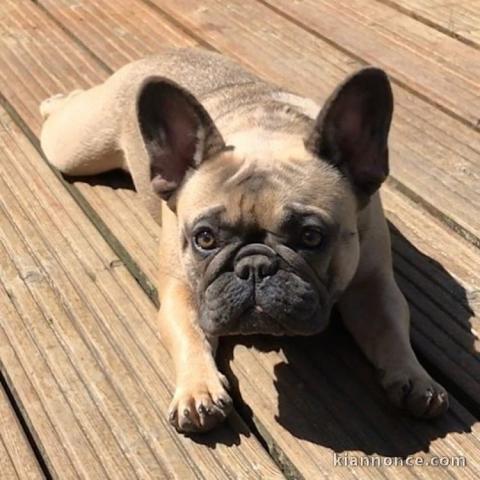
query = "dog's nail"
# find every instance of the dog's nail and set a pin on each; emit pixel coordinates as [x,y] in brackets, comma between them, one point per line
[428,394]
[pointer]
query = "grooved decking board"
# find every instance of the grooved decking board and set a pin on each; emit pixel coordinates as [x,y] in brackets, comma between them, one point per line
[322,395]
[433,64]
[306,414]
[17,459]
[79,344]
[460,19]
[300,441]
[448,322]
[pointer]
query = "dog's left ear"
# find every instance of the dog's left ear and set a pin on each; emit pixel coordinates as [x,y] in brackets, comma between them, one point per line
[177,131]
[351,131]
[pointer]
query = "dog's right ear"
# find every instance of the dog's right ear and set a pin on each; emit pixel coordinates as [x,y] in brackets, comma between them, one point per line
[177,131]
[351,130]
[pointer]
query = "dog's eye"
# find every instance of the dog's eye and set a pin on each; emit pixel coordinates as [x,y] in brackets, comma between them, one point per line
[205,239]
[311,237]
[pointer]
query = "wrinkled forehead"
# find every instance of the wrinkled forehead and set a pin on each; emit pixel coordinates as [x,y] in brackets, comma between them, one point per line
[260,193]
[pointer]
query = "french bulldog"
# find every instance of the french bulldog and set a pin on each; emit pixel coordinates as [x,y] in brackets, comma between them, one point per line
[269,208]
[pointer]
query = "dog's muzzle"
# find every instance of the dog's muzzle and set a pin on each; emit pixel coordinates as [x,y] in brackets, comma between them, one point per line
[261,293]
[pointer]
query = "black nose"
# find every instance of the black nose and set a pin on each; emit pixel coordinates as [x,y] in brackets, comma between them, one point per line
[256,261]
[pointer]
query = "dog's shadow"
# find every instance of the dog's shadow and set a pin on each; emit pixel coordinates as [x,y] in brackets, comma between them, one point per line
[328,393]
[116,179]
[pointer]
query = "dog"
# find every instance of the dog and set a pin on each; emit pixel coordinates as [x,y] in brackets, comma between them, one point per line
[269,208]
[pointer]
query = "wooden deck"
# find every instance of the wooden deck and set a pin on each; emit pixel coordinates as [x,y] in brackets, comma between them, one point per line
[85,379]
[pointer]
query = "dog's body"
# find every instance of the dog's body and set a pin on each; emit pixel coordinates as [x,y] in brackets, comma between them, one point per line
[270,212]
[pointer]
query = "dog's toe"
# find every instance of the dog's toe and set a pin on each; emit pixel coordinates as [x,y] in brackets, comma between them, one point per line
[420,396]
[211,413]
[200,407]
[426,400]
[49,105]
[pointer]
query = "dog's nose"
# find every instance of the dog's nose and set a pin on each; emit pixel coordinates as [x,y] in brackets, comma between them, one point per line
[256,261]
[256,266]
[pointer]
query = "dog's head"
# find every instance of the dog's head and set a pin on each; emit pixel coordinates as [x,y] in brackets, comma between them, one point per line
[268,224]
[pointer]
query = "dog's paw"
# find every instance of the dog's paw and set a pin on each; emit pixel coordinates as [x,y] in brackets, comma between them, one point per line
[417,393]
[200,406]
[48,106]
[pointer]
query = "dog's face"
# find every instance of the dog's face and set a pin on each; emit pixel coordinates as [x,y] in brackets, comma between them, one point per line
[269,239]
[268,227]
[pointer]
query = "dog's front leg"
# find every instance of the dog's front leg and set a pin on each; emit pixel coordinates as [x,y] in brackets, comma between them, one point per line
[377,314]
[201,400]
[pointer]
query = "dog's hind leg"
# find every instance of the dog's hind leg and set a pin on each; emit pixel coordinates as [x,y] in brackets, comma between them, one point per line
[80,132]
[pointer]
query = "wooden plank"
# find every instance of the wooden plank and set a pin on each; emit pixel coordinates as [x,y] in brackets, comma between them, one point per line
[442,289]
[17,459]
[316,460]
[79,344]
[425,60]
[459,19]
[282,436]
[323,398]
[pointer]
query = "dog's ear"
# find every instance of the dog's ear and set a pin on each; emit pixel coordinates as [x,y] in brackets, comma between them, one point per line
[351,131]
[177,131]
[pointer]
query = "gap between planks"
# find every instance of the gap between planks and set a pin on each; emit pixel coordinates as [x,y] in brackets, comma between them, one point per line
[435,97]
[421,15]
[19,456]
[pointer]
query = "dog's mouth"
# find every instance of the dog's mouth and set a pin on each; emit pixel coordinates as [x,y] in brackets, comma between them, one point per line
[284,304]
[256,320]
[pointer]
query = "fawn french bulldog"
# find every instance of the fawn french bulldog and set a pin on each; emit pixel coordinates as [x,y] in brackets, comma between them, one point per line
[269,207]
